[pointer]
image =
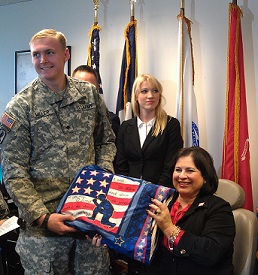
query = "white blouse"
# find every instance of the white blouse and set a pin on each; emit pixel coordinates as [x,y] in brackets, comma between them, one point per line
[144,128]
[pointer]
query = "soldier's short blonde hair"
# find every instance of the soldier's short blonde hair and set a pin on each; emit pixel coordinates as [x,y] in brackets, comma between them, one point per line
[45,33]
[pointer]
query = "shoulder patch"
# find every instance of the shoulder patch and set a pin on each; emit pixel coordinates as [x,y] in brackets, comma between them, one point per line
[7,120]
[2,135]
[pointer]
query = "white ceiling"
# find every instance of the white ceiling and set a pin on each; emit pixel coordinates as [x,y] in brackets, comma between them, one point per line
[9,2]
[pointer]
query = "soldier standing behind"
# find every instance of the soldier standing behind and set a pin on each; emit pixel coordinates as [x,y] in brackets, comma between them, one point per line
[48,131]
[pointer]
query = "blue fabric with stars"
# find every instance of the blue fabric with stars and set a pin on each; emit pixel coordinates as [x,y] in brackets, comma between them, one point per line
[115,207]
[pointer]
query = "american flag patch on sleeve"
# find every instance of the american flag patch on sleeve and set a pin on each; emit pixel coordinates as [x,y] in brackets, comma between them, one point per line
[7,120]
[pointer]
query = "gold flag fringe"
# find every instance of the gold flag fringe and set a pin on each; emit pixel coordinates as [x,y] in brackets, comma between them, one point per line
[128,57]
[182,57]
[97,27]
[237,91]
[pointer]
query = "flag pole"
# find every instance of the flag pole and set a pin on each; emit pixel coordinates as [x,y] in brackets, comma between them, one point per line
[96,9]
[132,9]
[182,7]
[129,68]
[181,77]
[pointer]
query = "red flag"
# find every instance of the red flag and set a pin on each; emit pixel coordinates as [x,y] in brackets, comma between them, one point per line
[236,154]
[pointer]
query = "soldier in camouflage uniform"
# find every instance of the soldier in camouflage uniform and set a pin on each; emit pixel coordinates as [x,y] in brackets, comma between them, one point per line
[49,130]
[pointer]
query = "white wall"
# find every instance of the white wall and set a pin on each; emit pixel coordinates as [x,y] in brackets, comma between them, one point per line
[157,52]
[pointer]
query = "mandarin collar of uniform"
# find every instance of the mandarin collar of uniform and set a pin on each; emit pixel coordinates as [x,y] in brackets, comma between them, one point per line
[70,95]
[75,91]
[42,90]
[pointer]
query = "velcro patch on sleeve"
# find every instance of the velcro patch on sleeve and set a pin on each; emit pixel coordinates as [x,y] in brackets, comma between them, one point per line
[2,135]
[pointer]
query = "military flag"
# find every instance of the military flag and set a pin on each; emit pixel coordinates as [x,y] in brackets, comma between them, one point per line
[128,73]
[236,154]
[186,101]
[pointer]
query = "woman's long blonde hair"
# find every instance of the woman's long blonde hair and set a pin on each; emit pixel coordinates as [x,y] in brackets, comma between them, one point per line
[160,114]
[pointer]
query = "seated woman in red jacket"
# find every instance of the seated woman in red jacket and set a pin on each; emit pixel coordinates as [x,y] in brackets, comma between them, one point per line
[197,229]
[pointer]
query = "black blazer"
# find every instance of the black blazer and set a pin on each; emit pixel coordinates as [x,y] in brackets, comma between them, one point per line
[115,121]
[206,247]
[152,161]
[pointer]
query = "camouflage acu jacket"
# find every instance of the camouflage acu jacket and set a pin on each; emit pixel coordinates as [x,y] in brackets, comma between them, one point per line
[46,138]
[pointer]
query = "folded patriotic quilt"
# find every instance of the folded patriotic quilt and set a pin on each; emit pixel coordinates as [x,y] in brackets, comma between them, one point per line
[115,207]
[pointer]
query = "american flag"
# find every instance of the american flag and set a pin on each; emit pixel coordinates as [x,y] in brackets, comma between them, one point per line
[93,52]
[114,206]
[7,120]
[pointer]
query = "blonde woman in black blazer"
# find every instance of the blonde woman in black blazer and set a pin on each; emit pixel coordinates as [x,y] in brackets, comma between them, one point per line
[147,143]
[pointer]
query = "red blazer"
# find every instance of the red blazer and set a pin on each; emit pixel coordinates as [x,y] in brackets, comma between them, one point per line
[152,162]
